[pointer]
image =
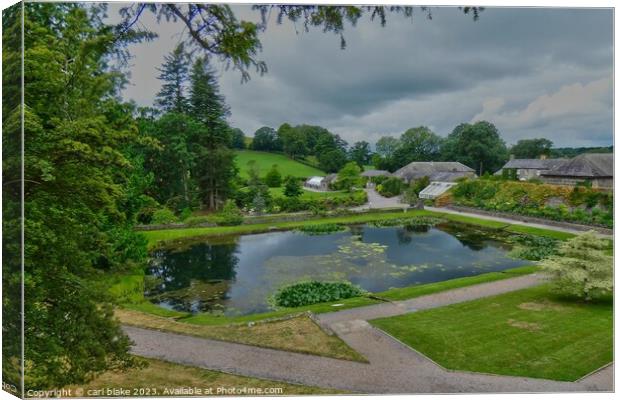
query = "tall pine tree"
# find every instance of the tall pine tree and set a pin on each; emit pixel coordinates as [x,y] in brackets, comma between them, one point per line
[215,167]
[174,74]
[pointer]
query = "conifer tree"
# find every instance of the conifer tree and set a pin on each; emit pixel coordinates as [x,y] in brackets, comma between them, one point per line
[215,166]
[174,73]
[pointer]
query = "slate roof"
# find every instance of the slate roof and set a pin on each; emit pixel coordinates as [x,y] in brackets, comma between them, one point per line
[534,163]
[440,171]
[593,165]
[376,172]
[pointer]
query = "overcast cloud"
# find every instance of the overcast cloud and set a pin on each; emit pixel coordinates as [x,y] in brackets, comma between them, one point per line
[532,72]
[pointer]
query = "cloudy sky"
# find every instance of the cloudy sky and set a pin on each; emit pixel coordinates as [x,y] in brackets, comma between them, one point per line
[532,72]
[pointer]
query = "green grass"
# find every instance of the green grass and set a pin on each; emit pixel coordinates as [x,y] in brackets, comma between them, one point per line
[430,288]
[308,195]
[156,236]
[211,319]
[265,160]
[540,232]
[529,332]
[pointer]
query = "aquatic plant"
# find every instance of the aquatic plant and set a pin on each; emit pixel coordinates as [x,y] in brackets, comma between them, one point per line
[405,222]
[306,293]
[321,229]
[534,248]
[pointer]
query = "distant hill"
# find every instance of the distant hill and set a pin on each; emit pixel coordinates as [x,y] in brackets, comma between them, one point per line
[570,152]
[265,160]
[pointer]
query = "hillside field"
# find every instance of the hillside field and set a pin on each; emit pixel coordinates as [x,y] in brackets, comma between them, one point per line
[265,160]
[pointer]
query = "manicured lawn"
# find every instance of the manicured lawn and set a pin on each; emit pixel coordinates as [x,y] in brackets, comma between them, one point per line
[307,194]
[160,375]
[411,292]
[525,333]
[265,160]
[540,232]
[299,334]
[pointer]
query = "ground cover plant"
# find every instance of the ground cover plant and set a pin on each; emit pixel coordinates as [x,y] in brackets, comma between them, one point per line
[306,293]
[579,204]
[160,377]
[529,332]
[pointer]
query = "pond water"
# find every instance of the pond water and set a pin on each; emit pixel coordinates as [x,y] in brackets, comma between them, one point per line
[236,275]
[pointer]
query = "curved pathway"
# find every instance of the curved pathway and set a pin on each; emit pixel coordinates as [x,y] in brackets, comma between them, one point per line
[392,366]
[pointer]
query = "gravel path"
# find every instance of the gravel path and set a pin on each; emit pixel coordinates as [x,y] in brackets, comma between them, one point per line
[392,368]
[375,200]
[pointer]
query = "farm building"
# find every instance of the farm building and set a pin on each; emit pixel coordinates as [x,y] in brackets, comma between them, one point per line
[530,168]
[437,171]
[375,172]
[595,168]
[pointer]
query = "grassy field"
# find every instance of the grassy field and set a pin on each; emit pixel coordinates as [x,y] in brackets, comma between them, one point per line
[299,334]
[265,160]
[525,333]
[161,378]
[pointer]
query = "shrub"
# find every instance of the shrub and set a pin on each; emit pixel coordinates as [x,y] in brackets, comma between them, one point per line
[230,214]
[583,267]
[419,185]
[163,216]
[306,293]
[391,187]
[292,187]
[273,177]
[199,220]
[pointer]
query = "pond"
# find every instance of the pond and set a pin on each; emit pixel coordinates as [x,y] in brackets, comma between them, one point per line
[237,275]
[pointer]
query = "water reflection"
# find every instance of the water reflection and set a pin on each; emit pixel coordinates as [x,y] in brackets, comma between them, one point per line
[238,276]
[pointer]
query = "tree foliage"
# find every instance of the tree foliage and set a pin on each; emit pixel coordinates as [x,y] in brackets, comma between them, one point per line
[349,176]
[266,139]
[583,266]
[532,148]
[478,145]
[174,73]
[292,188]
[76,171]
[273,178]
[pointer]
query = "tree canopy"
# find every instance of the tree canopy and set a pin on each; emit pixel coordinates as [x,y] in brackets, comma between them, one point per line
[532,148]
[478,145]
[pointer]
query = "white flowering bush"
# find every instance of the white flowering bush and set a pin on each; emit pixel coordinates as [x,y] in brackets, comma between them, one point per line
[583,266]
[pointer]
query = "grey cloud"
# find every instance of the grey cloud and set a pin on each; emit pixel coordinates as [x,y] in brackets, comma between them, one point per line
[418,72]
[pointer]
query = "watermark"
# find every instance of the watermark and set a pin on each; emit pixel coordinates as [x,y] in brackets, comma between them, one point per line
[172,391]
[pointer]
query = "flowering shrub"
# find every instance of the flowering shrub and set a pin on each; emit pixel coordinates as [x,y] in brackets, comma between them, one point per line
[580,204]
